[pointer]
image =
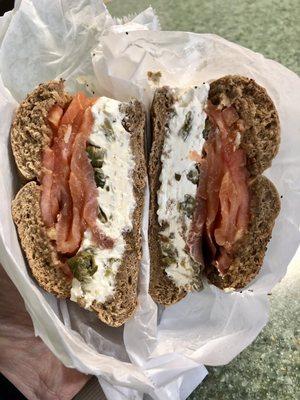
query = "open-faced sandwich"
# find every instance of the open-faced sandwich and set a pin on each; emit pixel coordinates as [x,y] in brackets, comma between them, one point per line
[79,215]
[211,210]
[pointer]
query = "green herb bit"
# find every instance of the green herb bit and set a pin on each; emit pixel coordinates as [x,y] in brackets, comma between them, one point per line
[83,265]
[102,216]
[187,126]
[193,175]
[164,225]
[188,205]
[96,155]
[170,254]
[108,130]
[100,178]
[177,177]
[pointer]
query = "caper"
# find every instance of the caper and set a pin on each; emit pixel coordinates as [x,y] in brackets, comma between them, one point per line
[188,205]
[169,250]
[164,225]
[187,126]
[172,113]
[107,272]
[177,177]
[206,129]
[193,175]
[113,260]
[96,155]
[102,216]
[166,261]
[108,130]
[100,178]
[83,265]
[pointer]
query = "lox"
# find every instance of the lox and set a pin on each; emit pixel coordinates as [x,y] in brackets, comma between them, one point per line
[69,192]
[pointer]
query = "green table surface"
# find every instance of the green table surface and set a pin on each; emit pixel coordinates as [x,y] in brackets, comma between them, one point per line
[269,369]
[270,27]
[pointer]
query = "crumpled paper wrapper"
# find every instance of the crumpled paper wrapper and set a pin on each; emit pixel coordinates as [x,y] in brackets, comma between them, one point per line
[160,352]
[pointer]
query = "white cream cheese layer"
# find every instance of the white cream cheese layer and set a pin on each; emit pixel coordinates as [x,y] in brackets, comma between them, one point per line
[175,186]
[116,200]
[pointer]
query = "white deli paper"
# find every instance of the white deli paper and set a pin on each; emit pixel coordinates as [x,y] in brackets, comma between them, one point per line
[159,352]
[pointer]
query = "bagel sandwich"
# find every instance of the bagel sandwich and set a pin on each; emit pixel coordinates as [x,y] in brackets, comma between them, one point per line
[79,213]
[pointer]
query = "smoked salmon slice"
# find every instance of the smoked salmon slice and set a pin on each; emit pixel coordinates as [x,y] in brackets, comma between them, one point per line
[79,103]
[55,115]
[69,203]
[223,216]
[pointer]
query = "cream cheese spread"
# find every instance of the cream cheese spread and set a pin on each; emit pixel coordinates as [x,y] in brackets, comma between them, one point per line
[177,192]
[116,199]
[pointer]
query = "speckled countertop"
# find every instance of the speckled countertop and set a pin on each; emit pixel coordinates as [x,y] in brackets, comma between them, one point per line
[269,369]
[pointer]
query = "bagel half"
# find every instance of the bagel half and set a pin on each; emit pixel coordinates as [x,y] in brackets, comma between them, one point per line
[260,142]
[30,135]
